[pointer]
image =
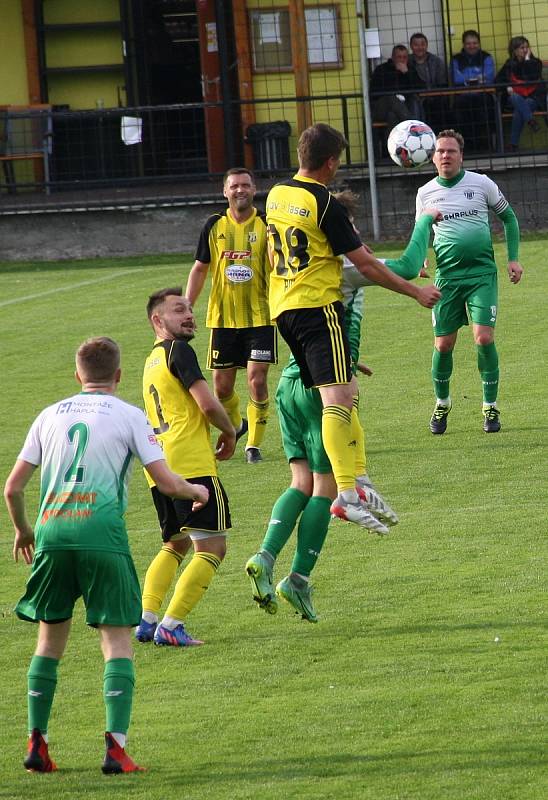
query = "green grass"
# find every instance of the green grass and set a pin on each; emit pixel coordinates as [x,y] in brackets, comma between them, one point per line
[425,677]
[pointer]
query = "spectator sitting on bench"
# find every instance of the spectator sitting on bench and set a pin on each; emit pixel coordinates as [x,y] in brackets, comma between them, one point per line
[521,96]
[396,77]
[474,111]
[433,72]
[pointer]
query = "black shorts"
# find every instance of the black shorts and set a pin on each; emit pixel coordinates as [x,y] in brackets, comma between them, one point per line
[174,515]
[234,347]
[318,341]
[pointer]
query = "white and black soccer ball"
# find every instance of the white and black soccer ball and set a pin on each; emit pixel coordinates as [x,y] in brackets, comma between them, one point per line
[411,144]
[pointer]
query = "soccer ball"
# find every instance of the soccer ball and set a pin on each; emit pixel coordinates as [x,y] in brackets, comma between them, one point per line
[411,144]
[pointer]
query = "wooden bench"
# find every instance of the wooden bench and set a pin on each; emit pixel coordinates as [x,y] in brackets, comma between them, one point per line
[26,135]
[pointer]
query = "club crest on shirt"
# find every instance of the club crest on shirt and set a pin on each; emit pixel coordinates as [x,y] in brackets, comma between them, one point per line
[469,195]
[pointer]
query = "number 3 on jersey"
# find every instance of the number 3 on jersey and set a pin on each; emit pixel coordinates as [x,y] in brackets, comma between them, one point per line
[291,255]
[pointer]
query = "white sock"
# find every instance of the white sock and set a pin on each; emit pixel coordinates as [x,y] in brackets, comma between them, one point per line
[119,738]
[349,495]
[150,617]
[170,622]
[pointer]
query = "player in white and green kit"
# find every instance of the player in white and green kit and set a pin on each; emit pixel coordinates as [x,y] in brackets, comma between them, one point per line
[78,547]
[466,272]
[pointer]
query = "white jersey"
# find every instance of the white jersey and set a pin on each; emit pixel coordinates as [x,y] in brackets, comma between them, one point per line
[462,239]
[85,445]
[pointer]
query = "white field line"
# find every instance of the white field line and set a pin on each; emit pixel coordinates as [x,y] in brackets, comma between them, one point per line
[72,286]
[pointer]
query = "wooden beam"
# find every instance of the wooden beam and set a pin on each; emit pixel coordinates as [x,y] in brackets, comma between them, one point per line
[31,50]
[245,74]
[299,58]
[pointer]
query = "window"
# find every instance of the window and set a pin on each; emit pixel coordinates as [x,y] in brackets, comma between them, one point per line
[271,39]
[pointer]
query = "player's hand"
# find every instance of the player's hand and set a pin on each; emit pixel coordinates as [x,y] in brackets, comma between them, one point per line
[515,271]
[434,213]
[24,544]
[364,369]
[225,446]
[428,296]
[201,496]
[423,273]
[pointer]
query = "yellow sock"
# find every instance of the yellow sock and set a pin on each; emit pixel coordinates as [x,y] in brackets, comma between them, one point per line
[339,444]
[192,584]
[358,434]
[257,415]
[159,577]
[232,407]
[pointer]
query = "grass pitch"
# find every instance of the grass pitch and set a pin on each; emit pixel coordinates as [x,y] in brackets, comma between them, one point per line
[425,677]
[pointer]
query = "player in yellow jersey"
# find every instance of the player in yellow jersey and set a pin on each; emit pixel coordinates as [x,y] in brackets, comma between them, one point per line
[232,247]
[308,232]
[180,408]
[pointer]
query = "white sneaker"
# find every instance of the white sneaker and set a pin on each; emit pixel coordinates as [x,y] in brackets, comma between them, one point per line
[375,502]
[358,514]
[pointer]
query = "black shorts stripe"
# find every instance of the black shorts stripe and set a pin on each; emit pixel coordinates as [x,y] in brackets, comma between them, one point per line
[335,333]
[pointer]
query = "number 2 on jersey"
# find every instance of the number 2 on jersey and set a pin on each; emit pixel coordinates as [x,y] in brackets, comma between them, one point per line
[78,434]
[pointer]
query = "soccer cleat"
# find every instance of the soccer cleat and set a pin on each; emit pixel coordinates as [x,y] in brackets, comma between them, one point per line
[438,420]
[116,759]
[253,455]
[491,421]
[260,574]
[243,429]
[300,599]
[37,759]
[145,631]
[358,514]
[375,503]
[178,637]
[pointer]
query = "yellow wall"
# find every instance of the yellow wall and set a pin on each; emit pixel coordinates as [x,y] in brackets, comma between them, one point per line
[13,68]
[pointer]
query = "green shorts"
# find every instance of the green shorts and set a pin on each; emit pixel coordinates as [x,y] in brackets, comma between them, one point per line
[107,582]
[300,415]
[474,297]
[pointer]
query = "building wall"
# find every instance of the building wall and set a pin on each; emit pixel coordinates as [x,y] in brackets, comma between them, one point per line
[13,66]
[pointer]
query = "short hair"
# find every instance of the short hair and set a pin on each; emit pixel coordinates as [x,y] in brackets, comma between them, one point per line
[157,298]
[515,42]
[349,200]
[97,359]
[318,143]
[238,171]
[418,35]
[470,34]
[449,133]
[399,48]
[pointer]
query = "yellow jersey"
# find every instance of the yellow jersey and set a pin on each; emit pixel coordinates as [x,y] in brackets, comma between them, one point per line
[177,420]
[308,231]
[240,270]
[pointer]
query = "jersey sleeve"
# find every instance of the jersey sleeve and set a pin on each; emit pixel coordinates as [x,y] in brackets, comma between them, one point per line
[337,227]
[183,363]
[203,251]
[496,201]
[32,447]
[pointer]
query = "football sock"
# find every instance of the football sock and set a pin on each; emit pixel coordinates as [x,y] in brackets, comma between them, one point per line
[488,365]
[118,683]
[358,434]
[232,407]
[442,367]
[311,534]
[192,584]
[339,444]
[159,577]
[42,680]
[410,262]
[257,415]
[283,519]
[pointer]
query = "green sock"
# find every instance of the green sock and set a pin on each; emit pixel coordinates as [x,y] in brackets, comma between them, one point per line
[283,519]
[42,680]
[118,683]
[442,367]
[488,365]
[311,535]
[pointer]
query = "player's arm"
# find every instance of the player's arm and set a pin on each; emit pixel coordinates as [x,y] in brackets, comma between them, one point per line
[511,232]
[172,485]
[408,265]
[14,495]
[214,412]
[373,269]
[196,280]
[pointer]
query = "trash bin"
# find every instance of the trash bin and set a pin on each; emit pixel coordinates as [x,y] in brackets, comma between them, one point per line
[270,143]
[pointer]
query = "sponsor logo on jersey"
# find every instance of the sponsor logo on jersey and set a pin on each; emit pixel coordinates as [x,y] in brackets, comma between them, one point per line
[152,439]
[473,212]
[301,212]
[239,273]
[221,236]
[260,355]
[236,254]
[64,408]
